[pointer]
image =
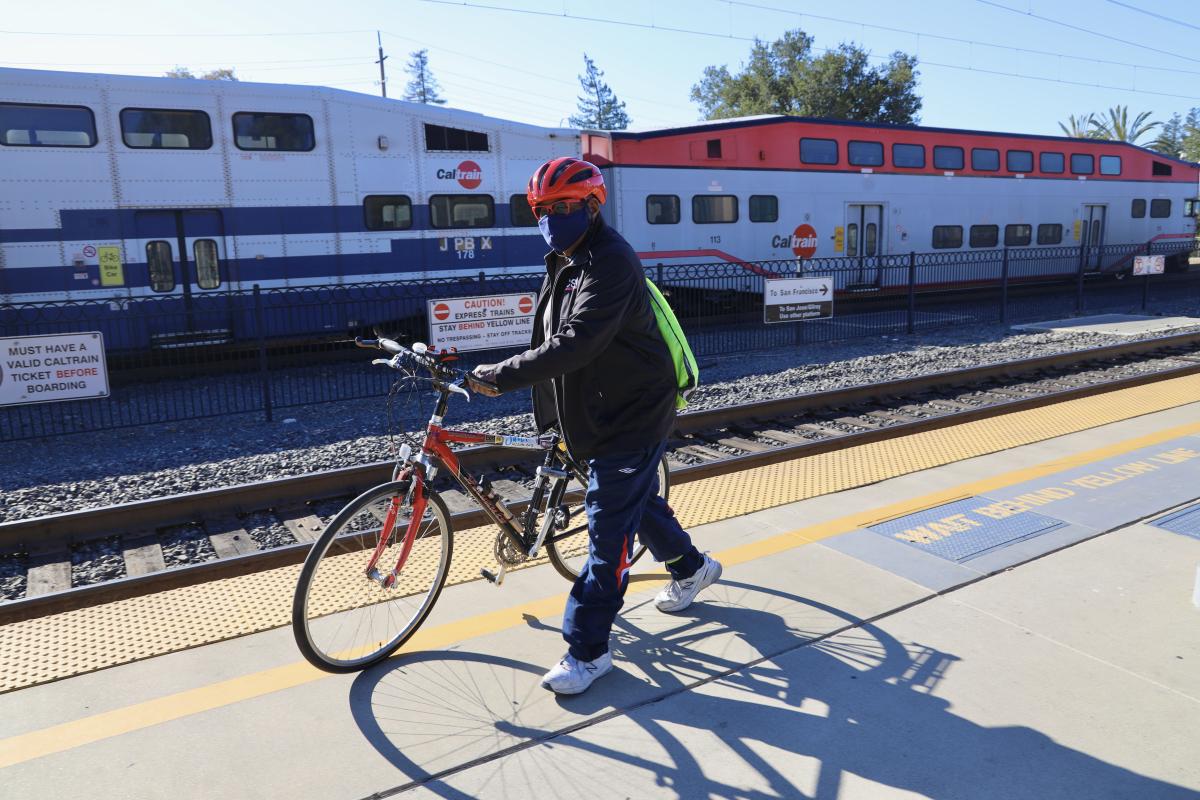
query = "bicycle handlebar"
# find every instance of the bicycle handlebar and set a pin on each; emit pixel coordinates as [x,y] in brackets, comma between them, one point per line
[445,376]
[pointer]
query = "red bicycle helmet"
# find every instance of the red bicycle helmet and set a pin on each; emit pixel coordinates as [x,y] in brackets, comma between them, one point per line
[565,178]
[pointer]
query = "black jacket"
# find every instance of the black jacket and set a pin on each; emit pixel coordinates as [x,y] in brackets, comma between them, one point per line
[606,375]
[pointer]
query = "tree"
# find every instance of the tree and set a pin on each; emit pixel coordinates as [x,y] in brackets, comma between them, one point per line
[222,74]
[785,78]
[423,88]
[1170,137]
[1118,127]
[1191,136]
[599,107]
[1080,127]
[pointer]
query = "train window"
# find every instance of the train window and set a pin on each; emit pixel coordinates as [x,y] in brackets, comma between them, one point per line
[945,157]
[908,156]
[260,131]
[662,209]
[165,128]
[714,208]
[985,235]
[714,148]
[1082,163]
[440,138]
[1019,161]
[1110,165]
[208,265]
[520,212]
[984,159]
[947,237]
[1159,168]
[1052,163]
[1138,210]
[29,125]
[764,208]
[462,211]
[865,154]
[387,212]
[818,151]
[1160,209]
[1191,206]
[852,239]
[161,267]
[870,238]
[1049,233]
[1018,235]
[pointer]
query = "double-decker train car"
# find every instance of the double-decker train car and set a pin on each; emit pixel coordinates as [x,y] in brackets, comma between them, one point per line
[788,188]
[120,189]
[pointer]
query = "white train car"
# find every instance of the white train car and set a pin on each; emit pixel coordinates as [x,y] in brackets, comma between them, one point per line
[777,188]
[116,188]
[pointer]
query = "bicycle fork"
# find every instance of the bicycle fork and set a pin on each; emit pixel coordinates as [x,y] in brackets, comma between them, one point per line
[415,496]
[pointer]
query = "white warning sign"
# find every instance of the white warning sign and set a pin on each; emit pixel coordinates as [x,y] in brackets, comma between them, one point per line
[797,299]
[1149,265]
[42,369]
[481,323]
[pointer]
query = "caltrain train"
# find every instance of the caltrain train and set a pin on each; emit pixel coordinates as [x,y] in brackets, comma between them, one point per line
[119,189]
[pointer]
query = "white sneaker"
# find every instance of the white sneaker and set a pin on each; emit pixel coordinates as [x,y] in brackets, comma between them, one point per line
[572,676]
[679,594]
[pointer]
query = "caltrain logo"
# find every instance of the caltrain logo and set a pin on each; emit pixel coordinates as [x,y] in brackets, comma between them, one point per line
[803,241]
[468,174]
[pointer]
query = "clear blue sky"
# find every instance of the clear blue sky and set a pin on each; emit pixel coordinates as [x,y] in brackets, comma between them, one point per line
[524,65]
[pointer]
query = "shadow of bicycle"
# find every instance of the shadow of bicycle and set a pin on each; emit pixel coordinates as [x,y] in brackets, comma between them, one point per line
[785,697]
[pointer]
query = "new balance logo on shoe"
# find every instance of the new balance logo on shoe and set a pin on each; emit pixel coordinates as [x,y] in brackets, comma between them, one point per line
[627,470]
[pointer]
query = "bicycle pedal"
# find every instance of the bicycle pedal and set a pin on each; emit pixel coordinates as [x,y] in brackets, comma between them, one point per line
[494,578]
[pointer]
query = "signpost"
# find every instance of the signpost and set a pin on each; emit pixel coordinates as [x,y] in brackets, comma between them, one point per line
[481,323]
[797,299]
[61,366]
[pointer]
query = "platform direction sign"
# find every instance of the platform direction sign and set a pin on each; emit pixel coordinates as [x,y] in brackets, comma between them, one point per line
[797,299]
[1149,265]
[61,366]
[481,323]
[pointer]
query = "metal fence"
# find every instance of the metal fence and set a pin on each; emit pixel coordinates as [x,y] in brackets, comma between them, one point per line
[261,351]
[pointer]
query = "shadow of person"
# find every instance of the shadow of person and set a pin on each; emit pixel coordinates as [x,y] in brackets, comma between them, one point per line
[799,680]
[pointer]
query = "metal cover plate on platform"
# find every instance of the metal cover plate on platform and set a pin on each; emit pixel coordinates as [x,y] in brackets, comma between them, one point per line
[1113,324]
[1185,521]
[964,529]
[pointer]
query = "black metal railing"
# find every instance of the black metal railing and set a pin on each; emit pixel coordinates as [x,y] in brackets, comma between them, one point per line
[263,350]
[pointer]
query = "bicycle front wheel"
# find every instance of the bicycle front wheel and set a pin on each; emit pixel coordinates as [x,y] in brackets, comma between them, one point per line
[567,547]
[347,618]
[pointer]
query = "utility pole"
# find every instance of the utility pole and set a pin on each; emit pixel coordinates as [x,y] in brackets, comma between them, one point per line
[382,58]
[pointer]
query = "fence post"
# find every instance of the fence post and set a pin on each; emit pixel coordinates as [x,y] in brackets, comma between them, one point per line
[1079,279]
[659,280]
[912,291]
[1146,283]
[264,376]
[1004,288]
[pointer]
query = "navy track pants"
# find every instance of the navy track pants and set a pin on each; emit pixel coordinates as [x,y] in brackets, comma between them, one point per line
[622,498]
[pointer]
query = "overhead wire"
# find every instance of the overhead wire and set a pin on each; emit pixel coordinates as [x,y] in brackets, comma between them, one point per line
[1156,15]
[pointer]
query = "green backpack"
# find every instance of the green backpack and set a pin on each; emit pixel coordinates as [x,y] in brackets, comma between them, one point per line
[687,374]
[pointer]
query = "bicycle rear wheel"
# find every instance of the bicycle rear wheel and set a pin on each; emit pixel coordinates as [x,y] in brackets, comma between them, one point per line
[345,620]
[567,547]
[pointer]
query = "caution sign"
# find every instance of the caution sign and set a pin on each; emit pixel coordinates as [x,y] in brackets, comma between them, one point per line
[481,323]
[42,369]
[797,299]
[1149,265]
[112,273]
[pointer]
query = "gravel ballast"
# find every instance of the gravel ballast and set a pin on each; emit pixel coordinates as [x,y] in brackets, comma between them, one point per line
[49,476]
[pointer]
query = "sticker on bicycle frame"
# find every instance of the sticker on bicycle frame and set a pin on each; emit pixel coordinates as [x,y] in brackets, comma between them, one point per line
[530,442]
[481,323]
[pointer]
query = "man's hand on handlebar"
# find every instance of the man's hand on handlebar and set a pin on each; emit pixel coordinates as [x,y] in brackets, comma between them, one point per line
[482,380]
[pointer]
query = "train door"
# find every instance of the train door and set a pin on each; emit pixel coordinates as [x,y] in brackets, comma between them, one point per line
[1092,236]
[185,259]
[864,241]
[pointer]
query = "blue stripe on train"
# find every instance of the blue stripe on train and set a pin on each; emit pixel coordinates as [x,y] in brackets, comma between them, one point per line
[100,224]
[407,255]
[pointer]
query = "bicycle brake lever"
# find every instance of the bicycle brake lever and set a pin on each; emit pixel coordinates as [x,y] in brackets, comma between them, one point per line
[455,387]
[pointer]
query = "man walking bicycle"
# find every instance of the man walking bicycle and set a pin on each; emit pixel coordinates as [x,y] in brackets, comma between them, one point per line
[601,372]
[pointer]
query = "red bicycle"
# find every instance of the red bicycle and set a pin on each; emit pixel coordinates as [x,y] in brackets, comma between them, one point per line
[375,573]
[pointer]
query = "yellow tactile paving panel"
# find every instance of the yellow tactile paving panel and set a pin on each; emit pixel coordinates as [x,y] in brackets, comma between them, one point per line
[74,642]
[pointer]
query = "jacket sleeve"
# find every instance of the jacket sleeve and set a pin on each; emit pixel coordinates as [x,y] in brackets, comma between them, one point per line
[601,299]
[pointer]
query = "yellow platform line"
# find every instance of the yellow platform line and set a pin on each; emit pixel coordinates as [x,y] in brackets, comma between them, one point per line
[70,735]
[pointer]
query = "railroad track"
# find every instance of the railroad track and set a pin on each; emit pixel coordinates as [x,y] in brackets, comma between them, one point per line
[229,531]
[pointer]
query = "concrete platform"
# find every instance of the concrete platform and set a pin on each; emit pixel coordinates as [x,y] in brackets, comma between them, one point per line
[832,660]
[1113,324]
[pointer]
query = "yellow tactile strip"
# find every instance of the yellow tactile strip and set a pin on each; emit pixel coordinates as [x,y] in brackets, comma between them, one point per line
[74,642]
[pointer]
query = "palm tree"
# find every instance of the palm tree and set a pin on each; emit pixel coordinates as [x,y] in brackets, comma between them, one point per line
[1117,126]
[1079,128]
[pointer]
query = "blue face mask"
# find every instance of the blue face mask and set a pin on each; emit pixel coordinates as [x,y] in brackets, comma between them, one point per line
[562,230]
